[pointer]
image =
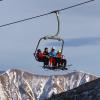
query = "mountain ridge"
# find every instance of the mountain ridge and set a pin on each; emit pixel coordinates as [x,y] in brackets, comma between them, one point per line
[87,91]
[21,85]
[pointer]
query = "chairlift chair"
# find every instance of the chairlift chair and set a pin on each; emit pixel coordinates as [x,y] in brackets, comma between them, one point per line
[53,37]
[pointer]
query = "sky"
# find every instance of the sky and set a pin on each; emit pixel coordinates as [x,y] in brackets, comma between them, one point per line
[79,27]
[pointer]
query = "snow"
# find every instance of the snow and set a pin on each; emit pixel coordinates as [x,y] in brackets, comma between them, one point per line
[24,85]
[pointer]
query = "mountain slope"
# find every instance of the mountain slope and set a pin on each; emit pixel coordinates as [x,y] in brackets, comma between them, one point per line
[87,91]
[19,85]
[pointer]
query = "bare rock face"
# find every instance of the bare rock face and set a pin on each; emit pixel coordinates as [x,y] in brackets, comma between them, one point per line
[87,91]
[19,85]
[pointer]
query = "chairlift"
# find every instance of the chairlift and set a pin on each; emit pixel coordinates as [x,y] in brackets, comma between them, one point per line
[53,37]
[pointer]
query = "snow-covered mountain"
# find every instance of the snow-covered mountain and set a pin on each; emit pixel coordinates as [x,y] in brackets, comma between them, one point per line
[19,85]
[87,91]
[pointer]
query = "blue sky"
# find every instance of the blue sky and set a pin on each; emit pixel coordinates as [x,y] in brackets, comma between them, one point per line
[79,28]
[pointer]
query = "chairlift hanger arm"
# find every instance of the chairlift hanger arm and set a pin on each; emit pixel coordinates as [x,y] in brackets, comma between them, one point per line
[58,22]
[37,48]
[26,19]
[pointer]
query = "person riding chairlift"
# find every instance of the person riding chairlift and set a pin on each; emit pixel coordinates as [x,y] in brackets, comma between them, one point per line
[60,60]
[52,60]
[46,57]
[39,55]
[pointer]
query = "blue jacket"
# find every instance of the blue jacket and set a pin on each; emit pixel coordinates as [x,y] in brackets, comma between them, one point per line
[52,54]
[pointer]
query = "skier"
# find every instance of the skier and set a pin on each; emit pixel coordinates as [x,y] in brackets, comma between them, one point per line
[52,59]
[39,55]
[46,57]
[60,60]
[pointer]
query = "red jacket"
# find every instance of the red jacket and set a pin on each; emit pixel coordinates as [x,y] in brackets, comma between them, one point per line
[59,55]
[40,55]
